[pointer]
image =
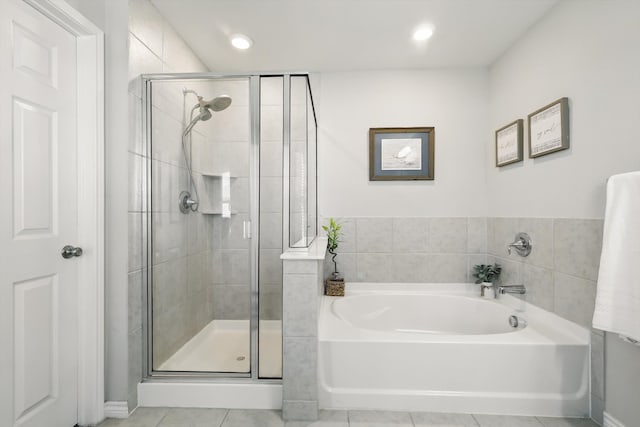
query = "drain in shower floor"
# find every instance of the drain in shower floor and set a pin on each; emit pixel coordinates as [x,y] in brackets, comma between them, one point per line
[240,358]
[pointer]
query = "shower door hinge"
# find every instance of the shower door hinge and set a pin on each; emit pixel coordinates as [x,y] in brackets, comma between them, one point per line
[246,229]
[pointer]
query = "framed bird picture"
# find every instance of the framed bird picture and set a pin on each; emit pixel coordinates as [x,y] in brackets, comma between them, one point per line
[401,154]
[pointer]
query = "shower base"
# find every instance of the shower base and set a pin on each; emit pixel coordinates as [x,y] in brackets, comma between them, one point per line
[223,346]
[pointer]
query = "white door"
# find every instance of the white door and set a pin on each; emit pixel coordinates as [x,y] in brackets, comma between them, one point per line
[38,216]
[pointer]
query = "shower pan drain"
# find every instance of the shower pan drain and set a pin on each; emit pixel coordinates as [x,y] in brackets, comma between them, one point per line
[240,358]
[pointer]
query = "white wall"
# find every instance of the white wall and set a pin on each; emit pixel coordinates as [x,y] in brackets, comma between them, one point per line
[349,103]
[586,50]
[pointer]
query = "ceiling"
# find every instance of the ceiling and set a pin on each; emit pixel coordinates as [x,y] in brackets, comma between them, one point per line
[340,35]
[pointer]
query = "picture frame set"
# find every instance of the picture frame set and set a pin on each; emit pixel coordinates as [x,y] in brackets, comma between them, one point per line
[548,129]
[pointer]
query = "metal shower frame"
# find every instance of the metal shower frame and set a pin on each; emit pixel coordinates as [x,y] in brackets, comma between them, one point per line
[148,373]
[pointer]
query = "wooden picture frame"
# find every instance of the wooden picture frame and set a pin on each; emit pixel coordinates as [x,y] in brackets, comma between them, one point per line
[401,154]
[549,128]
[509,143]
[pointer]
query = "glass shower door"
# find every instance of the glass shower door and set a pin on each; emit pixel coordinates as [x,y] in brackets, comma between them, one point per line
[201,262]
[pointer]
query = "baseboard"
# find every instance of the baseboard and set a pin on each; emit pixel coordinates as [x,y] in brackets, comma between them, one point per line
[609,421]
[115,409]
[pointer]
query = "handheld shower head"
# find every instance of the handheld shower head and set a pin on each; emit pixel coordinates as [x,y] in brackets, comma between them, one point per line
[216,104]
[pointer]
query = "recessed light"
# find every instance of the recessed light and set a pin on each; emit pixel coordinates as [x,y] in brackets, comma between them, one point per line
[422,34]
[240,41]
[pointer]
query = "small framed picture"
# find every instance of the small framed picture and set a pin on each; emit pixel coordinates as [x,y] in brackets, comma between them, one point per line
[509,143]
[549,128]
[401,153]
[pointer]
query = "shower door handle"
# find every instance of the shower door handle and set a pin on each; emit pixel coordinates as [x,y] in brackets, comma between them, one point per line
[246,229]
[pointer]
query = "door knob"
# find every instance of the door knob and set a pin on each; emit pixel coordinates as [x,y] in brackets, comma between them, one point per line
[71,251]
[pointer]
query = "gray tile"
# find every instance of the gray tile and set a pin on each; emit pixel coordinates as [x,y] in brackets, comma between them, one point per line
[235,266]
[437,419]
[408,267]
[347,239]
[146,23]
[539,284]
[374,267]
[135,301]
[379,419]
[231,232]
[577,245]
[135,367]
[597,365]
[299,368]
[300,410]
[566,422]
[136,144]
[506,421]
[271,302]
[300,266]
[512,271]
[231,301]
[321,422]
[135,242]
[300,302]
[446,268]
[270,266]
[270,195]
[574,298]
[447,235]
[374,234]
[477,235]
[193,417]
[253,418]
[136,191]
[501,232]
[141,417]
[541,232]
[271,231]
[410,234]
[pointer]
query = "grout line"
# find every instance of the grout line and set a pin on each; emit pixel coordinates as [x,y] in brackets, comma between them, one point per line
[226,414]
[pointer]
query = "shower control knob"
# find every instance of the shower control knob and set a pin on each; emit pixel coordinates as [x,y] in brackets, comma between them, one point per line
[71,251]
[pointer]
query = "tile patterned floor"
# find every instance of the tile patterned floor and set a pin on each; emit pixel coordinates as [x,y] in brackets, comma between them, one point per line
[179,417]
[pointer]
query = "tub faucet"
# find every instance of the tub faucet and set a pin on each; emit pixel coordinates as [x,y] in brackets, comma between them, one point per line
[510,289]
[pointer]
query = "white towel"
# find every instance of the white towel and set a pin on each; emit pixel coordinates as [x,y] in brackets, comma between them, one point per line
[618,292]
[226,195]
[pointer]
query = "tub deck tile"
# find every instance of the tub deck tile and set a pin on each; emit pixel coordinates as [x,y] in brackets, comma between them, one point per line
[507,421]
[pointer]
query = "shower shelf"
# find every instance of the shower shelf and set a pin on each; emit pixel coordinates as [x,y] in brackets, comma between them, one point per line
[212,212]
[216,175]
[212,202]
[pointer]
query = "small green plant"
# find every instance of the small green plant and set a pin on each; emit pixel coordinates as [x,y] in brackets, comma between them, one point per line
[333,236]
[486,273]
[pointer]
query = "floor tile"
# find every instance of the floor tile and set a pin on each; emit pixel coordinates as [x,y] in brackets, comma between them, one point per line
[141,417]
[437,419]
[326,418]
[567,422]
[379,419]
[193,417]
[506,421]
[253,418]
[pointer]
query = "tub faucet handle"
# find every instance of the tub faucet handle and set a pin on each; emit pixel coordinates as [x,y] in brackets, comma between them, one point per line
[522,245]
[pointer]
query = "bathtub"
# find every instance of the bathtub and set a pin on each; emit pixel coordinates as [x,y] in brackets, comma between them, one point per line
[443,348]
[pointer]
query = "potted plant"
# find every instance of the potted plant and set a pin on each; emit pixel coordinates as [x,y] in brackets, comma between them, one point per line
[486,273]
[335,285]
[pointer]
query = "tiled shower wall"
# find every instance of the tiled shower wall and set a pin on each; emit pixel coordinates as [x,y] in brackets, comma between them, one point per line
[560,273]
[154,47]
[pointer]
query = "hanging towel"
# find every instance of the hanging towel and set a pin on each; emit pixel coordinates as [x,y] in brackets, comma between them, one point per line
[226,195]
[618,291]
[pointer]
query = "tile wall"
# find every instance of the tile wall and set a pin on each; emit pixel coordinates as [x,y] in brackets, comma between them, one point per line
[154,47]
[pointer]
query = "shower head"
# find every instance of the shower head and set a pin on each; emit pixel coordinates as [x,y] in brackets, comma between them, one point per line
[216,104]
[206,107]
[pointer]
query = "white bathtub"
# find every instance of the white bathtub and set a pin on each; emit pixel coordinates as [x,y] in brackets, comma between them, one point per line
[440,347]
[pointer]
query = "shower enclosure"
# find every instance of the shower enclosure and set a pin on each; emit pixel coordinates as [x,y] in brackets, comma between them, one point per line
[231,184]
